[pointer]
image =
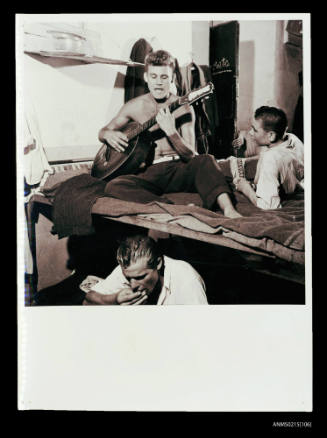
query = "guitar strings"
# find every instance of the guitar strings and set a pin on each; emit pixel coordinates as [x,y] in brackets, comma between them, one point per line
[136,131]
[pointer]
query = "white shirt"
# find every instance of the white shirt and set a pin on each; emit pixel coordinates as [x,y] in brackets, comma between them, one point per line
[279,165]
[182,284]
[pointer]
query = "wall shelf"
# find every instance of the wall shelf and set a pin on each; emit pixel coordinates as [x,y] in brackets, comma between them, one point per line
[84,58]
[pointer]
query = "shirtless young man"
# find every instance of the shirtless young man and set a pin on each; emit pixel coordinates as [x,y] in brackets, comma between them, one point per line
[176,166]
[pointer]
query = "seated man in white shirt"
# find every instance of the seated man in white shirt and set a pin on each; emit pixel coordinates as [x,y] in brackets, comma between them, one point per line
[145,276]
[280,162]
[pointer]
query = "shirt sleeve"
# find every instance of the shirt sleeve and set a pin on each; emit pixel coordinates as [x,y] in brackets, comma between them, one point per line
[195,291]
[112,284]
[188,287]
[268,184]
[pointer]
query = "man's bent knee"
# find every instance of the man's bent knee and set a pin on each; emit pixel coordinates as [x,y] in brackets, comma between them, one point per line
[204,157]
[203,161]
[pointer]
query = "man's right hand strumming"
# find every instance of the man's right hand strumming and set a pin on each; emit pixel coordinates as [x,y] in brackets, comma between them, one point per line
[115,139]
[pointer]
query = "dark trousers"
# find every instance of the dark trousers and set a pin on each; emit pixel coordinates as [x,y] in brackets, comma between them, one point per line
[200,175]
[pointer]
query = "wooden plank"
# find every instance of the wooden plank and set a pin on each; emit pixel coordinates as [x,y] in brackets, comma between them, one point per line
[84,58]
[184,232]
[178,230]
[283,275]
[214,239]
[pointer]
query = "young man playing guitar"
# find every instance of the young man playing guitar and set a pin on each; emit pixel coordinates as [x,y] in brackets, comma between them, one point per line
[176,167]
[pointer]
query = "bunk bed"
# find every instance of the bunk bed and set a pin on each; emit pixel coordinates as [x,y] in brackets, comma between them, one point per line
[276,236]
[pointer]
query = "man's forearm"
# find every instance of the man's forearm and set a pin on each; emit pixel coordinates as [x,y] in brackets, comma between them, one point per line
[115,125]
[93,297]
[179,145]
[248,191]
[102,134]
[105,130]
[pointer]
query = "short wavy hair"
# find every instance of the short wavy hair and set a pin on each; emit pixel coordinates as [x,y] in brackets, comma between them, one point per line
[134,248]
[159,58]
[273,119]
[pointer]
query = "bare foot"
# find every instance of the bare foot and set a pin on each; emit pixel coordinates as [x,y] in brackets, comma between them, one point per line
[231,213]
[226,206]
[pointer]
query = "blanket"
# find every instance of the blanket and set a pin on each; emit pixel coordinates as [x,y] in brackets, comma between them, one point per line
[72,202]
[78,197]
[285,225]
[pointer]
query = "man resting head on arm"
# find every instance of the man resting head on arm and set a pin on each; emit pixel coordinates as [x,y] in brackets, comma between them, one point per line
[280,163]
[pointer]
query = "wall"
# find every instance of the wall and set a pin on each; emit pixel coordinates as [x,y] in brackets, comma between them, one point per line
[288,63]
[70,101]
[256,68]
[267,70]
[73,100]
[200,42]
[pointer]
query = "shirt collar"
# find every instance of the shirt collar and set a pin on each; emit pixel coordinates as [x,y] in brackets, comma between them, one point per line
[289,142]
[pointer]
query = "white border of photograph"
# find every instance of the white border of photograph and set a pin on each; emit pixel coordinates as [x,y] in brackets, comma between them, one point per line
[221,358]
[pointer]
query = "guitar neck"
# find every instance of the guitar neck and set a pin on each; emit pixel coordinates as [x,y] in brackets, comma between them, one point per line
[190,98]
[151,122]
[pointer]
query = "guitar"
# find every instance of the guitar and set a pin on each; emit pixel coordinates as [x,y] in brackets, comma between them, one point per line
[108,163]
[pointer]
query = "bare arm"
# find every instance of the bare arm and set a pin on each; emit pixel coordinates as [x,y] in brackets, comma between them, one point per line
[243,186]
[93,297]
[123,297]
[111,135]
[183,144]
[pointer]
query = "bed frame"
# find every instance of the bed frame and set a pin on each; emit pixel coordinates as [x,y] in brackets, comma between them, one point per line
[271,265]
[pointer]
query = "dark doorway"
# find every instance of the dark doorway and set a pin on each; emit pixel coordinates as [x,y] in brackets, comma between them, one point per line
[224,47]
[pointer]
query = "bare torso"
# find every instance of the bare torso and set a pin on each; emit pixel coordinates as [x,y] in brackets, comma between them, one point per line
[143,108]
